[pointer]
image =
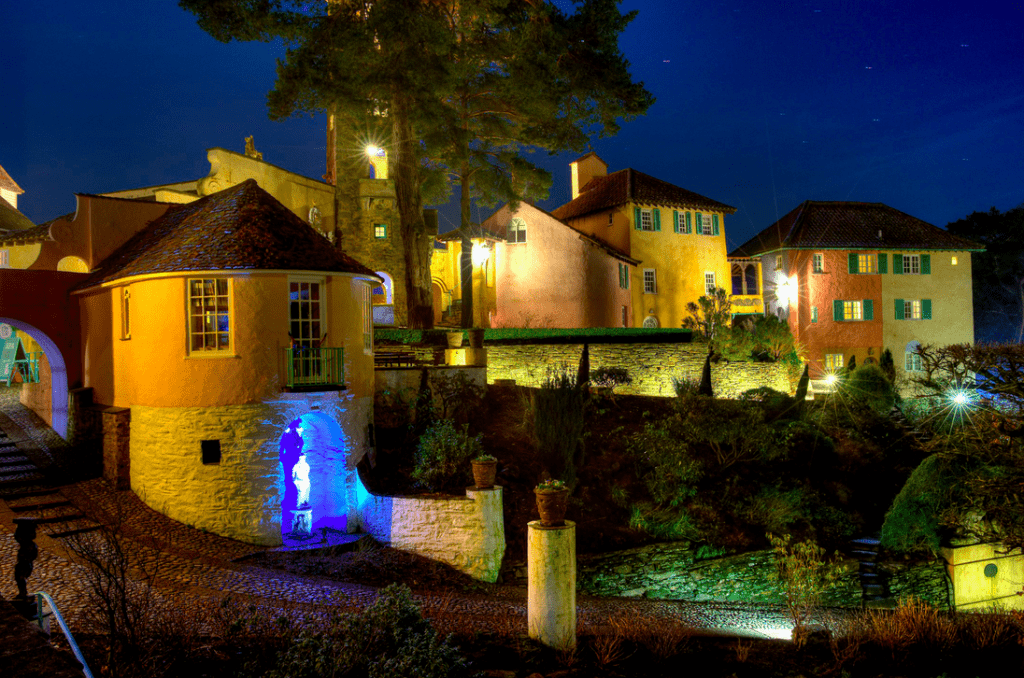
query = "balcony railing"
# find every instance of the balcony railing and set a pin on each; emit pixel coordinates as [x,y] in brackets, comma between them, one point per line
[310,369]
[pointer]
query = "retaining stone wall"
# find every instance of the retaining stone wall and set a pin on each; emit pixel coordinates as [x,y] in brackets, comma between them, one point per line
[671,571]
[651,366]
[466,532]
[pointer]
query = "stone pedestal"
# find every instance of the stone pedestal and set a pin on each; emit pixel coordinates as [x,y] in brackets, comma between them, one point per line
[474,357]
[302,522]
[551,584]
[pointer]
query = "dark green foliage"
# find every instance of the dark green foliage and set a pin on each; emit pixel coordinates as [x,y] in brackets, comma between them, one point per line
[666,465]
[801,389]
[869,385]
[913,522]
[852,365]
[559,423]
[710,317]
[887,365]
[583,373]
[390,639]
[459,397]
[443,455]
[704,388]
[776,404]
[610,376]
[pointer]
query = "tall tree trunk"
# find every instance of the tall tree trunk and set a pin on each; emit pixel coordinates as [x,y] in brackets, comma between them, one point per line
[466,260]
[415,239]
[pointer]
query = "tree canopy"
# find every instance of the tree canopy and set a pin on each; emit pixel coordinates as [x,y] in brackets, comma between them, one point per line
[455,90]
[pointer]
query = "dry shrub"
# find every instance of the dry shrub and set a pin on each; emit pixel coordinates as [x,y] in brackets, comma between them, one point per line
[608,649]
[990,630]
[568,658]
[742,650]
[913,621]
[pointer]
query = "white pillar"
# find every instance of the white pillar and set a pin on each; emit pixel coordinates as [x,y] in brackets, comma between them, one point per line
[551,584]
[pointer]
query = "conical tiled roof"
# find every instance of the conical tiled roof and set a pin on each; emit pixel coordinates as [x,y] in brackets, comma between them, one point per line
[850,225]
[239,228]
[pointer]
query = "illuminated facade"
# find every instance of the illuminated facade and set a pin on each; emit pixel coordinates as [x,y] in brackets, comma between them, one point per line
[853,279]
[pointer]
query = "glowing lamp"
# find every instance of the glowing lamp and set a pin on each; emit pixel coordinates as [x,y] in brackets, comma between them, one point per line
[960,398]
[480,255]
[374,151]
[831,379]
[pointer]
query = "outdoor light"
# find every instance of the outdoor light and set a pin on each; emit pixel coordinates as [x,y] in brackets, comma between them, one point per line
[480,255]
[960,398]
[372,151]
[831,379]
[784,291]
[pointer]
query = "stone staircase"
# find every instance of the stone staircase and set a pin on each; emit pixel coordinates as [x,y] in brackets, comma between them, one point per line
[874,579]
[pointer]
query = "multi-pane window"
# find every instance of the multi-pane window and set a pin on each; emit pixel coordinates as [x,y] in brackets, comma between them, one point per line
[209,326]
[650,281]
[305,313]
[867,263]
[709,283]
[380,231]
[913,362]
[818,263]
[707,224]
[623,276]
[833,362]
[126,324]
[516,230]
[912,309]
[646,220]
[912,263]
[853,310]
[778,263]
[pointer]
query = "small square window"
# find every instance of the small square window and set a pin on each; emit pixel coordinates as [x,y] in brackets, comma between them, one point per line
[833,362]
[380,231]
[819,263]
[912,309]
[211,451]
[853,310]
[867,263]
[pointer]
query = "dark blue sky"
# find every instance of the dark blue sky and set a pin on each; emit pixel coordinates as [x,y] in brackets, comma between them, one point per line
[760,105]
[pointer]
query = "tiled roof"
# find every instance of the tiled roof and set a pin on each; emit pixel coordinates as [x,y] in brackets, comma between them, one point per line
[628,185]
[12,220]
[7,182]
[239,228]
[850,225]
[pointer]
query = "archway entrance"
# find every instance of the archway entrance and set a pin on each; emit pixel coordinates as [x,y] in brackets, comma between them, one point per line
[50,401]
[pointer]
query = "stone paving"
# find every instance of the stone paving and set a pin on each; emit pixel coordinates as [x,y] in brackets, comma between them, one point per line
[191,567]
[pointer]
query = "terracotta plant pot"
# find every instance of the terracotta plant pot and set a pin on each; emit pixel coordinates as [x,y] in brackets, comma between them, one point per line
[476,337]
[483,474]
[455,340]
[551,506]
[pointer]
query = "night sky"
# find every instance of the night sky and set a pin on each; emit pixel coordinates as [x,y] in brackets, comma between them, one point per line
[760,105]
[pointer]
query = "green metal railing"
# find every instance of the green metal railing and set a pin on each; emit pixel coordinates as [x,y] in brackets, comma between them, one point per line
[43,619]
[310,367]
[28,367]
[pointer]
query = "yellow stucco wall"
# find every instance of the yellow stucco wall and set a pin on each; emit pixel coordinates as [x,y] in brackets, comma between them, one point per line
[23,256]
[444,268]
[680,261]
[973,589]
[615,234]
[949,288]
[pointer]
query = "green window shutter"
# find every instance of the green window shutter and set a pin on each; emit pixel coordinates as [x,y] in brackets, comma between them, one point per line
[698,222]
[897,263]
[837,309]
[636,218]
[688,228]
[656,218]
[814,314]
[852,259]
[899,309]
[883,263]
[926,309]
[926,264]
[714,224]
[869,310]
[675,220]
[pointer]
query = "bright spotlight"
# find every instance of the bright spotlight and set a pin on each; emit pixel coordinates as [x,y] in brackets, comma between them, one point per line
[374,151]
[961,398]
[831,379]
[480,255]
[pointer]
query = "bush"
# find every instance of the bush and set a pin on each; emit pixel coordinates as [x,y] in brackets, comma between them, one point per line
[443,454]
[559,423]
[390,639]
[665,464]
[869,385]
[912,524]
[610,376]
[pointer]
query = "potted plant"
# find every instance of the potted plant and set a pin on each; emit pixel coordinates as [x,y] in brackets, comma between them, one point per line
[485,467]
[552,498]
[476,337]
[454,339]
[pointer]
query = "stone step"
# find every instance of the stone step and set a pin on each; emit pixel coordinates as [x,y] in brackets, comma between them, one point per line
[26,468]
[8,496]
[14,460]
[71,533]
[34,479]
[40,506]
[71,517]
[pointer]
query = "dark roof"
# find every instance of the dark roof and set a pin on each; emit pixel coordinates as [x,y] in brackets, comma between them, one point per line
[7,182]
[850,225]
[628,185]
[13,222]
[239,228]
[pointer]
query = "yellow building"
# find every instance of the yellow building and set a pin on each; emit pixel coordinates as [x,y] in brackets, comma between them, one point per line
[676,234]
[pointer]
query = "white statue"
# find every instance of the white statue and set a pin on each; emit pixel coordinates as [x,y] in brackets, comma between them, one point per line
[300,478]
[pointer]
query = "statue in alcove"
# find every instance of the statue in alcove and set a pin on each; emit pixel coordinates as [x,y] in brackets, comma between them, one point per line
[300,478]
[290,451]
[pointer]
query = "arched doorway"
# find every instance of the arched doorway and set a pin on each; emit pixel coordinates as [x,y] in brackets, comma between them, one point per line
[56,414]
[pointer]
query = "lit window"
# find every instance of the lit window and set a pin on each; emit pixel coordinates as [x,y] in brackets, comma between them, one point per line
[912,309]
[778,263]
[867,263]
[5,259]
[516,230]
[646,220]
[853,310]
[650,282]
[912,263]
[833,362]
[380,231]
[819,263]
[953,260]
[209,326]
[126,325]
[624,276]
[709,283]
[814,314]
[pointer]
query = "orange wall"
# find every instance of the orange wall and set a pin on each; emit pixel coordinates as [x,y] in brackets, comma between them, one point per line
[616,235]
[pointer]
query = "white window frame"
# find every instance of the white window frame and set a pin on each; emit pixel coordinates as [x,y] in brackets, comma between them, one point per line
[818,262]
[912,309]
[912,264]
[833,362]
[516,232]
[380,231]
[867,263]
[706,225]
[853,310]
[912,362]
[321,304]
[5,259]
[623,276]
[709,283]
[646,219]
[650,281]
[204,315]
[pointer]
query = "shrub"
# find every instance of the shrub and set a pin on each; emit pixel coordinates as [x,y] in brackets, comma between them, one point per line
[775,510]
[459,397]
[804,573]
[559,423]
[665,464]
[443,454]
[610,376]
[912,523]
[869,385]
[775,403]
[390,639]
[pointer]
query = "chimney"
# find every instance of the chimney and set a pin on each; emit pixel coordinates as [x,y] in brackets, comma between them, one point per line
[584,169]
